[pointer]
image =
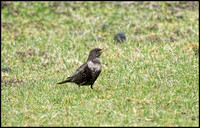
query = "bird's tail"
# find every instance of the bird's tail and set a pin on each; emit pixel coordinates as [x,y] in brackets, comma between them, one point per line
[65,81]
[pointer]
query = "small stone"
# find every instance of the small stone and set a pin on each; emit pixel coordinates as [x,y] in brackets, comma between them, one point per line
[120,37]
[6,69]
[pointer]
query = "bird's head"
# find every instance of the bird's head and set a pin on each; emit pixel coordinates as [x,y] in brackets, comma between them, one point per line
[95,52]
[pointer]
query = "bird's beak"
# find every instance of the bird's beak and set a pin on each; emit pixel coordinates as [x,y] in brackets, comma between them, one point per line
[103,50]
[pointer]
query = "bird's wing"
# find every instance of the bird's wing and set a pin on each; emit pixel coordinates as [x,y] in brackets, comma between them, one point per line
[96,76]
[81,69]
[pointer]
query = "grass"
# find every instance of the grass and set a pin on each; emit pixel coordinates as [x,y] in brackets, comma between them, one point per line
[150,80]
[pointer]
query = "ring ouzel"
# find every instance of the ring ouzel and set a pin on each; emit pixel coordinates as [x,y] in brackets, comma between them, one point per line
[87,73]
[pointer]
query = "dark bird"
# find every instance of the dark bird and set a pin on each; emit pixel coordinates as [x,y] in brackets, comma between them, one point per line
[87,73]
[120,37]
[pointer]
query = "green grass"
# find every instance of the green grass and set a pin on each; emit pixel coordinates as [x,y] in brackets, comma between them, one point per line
[150,80]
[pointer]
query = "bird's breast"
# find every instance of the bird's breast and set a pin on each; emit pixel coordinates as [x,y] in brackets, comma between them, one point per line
[94,66]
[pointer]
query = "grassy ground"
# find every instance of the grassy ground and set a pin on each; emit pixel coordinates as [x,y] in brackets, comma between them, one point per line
[150,80]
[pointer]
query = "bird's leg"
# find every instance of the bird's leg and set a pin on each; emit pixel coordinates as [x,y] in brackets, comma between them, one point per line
[91,86]
[79,87]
